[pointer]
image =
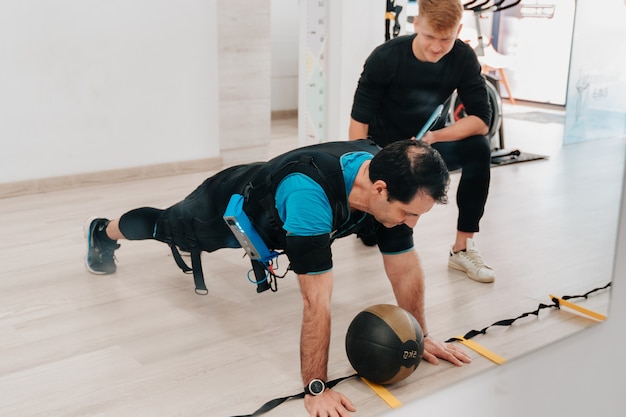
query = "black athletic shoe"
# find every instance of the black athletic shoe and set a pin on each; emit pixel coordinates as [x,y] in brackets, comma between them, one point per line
[99,259]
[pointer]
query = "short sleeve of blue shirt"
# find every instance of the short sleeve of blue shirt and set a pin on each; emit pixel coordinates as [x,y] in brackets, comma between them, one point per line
[302,203]
[303,206]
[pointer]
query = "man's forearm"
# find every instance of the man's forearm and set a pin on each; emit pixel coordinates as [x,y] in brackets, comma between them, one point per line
[315,332]
[461,129]
[407,280]
[357,130]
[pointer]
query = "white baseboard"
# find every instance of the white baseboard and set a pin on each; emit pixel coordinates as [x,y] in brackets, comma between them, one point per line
[42,185]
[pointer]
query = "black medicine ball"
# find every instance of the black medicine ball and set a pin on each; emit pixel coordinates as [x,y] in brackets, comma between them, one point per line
[384,344]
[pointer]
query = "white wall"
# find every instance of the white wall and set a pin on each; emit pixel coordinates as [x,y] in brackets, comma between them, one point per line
[244,50]
[352,29]
[90,85]
[356,28]
[596,106]
[285,24]
[539,50]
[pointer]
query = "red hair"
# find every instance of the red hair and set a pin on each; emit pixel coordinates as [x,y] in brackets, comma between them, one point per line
[442,15]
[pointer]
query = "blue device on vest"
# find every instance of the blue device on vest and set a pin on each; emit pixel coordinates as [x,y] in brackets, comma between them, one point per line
[245,233]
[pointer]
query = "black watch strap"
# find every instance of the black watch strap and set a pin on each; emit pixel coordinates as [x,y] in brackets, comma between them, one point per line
[271,404]
[315,387]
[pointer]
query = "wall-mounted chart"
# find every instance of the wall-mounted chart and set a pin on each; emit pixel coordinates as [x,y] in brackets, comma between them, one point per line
[312,100]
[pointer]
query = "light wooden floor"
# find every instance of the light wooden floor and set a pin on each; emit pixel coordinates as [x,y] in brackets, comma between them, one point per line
[141,343]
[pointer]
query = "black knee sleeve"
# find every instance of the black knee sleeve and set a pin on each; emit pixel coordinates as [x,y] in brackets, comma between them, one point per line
[139,224]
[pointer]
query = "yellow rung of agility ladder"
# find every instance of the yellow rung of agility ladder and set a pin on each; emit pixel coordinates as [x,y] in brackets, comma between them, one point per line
[482,350]
[578,308]
[383,393]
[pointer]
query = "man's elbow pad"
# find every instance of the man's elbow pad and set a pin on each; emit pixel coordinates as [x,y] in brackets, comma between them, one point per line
[309,254]
[397,239]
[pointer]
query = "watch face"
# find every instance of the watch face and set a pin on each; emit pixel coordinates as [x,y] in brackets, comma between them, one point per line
[316,386]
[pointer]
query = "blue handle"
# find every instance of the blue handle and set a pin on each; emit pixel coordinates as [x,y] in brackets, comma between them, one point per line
[431,122]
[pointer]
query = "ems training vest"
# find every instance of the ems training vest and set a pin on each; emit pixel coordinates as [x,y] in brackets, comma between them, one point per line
[196,223]
[319,162]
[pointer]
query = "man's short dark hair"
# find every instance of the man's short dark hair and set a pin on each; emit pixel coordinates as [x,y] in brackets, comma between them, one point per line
[409,167]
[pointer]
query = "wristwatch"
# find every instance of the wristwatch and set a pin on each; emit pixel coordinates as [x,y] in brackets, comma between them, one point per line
[315,387]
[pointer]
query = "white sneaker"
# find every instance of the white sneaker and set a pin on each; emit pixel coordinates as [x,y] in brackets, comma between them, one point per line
[470,262]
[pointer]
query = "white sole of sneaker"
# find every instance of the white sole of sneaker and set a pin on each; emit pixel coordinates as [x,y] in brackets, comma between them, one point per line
[470,276]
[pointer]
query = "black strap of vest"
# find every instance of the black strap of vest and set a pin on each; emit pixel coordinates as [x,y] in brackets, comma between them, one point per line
[196,268]
[278,401]
[195,251]
[305,164]
[198,276]
[179,260]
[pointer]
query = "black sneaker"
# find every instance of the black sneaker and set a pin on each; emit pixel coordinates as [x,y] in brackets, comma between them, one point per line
[99,259]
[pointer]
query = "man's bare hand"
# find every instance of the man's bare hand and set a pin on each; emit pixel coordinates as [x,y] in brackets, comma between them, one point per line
[328,404]
[447,351]
[429,138]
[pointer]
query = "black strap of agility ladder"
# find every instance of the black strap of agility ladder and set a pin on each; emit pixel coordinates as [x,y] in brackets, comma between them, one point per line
[541,306]
[278,401]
